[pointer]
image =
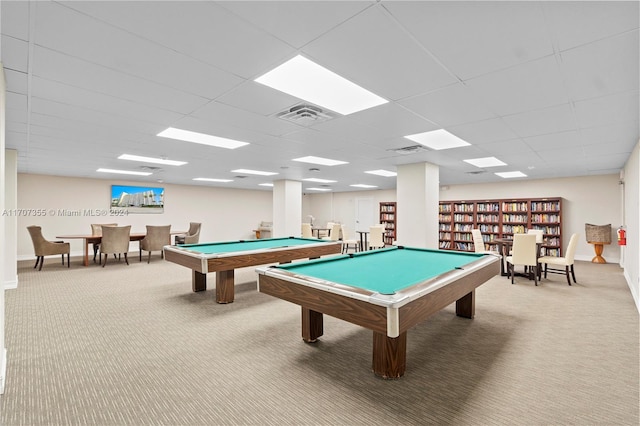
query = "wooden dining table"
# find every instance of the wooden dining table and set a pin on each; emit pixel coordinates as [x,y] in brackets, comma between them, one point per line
[96,239]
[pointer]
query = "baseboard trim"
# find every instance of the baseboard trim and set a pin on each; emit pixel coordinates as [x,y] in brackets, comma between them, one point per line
[3,371]
[11,284]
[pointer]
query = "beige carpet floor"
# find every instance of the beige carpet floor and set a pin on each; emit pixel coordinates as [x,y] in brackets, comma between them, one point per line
[132,345]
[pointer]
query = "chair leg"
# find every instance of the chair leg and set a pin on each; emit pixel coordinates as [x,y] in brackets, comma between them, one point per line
[545,271]
[106,257]
[140,254]
[37,261]
[149,258]
[126,259]
[41,263]
[535,276]
[566,271]
[573,274]
[513,268]
[95,252]
[68,262]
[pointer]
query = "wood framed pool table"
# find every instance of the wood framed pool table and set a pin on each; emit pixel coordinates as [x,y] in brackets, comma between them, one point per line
[226,256]
[388,291]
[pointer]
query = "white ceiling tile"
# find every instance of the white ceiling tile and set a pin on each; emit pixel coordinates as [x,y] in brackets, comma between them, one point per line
[296,23]
[626,132]
[575,23]
[15,19]
[558,118]
[602,67]
[607,109]
[257,98]
[475,38]
[74,72]
[553,141]
[533,85]
[449,106]
[16,52]
[385,61]
[17,82]
[482,132]
[392,120]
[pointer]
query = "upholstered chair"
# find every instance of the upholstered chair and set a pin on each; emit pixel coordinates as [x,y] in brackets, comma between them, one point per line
[567,261]
[376,236]
[347,241]
[96,229]
[115,240]
[43,248]
[524,252]
[157,237]
[306,230]
[334,232]
[478,242]
[192,236]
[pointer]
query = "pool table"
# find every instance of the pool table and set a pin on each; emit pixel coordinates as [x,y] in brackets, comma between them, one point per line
[226,256]
[388,291]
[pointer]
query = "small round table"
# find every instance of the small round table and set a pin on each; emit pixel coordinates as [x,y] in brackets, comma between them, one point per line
[598,247]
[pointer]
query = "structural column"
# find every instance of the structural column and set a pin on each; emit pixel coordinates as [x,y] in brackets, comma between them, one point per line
[417,193]
[287,208]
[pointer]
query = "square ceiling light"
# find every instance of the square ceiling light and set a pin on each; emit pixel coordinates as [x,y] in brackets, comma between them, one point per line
[319,160]
[313,83]
[385,173]
[438,139]
[201,138]
[151,160]
[485,162]
[253,172]
[509,175]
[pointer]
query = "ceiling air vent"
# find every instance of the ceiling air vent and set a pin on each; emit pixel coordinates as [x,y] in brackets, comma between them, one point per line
[407,150]
[305,114]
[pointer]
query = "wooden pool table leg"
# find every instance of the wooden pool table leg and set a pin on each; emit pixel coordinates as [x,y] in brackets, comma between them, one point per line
[389,355]
[198,281]
[225,290]
[312,325]
[466,305]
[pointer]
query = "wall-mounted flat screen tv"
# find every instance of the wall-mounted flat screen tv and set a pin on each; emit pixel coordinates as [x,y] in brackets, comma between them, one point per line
[137,199]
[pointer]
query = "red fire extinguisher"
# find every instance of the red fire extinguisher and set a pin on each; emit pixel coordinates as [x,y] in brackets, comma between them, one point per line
[622,236]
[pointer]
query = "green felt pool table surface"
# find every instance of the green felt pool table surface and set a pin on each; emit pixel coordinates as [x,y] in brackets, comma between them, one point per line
[384,271]
[223,247]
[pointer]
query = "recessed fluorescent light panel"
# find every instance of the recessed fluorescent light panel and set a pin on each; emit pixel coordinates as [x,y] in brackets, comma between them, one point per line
[319,189]
[362,185]
[485,162]
[319,180]
[151,160]
[319,160]
[385,173]
[123,172]
[311,82]
[213,180]
[201,138]
[508,175]
[438,139]
[265,184]
[253,172]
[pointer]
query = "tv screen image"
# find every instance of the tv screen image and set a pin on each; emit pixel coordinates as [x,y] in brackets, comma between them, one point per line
[137,199]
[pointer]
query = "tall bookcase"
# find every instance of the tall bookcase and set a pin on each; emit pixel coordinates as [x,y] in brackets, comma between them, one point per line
[388,216]
[500,218]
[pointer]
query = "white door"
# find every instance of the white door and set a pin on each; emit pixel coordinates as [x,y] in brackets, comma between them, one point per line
[365,214]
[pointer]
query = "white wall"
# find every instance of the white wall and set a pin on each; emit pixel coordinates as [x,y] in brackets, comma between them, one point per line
[589,199]
[631,257]
[225,214]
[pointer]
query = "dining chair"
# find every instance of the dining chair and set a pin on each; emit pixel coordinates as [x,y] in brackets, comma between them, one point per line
[347,241]
[567,260]
[306,230]
[115,240]
[192,236]
[376,236]
[334,232]
[96,229]
[478,242]
[539,233]
[157,237]
[43,247]
[524,252]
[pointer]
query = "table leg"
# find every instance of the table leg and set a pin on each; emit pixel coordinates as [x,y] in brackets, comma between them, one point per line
[312,325]
[225,290]
[198,281]
[389,355]
[466,305]
[85,260]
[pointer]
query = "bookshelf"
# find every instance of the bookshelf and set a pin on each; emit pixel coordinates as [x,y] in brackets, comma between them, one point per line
[388,216]
[500,218]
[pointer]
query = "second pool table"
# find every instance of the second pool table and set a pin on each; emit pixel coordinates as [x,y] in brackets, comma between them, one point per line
[388,291]
[226,256]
